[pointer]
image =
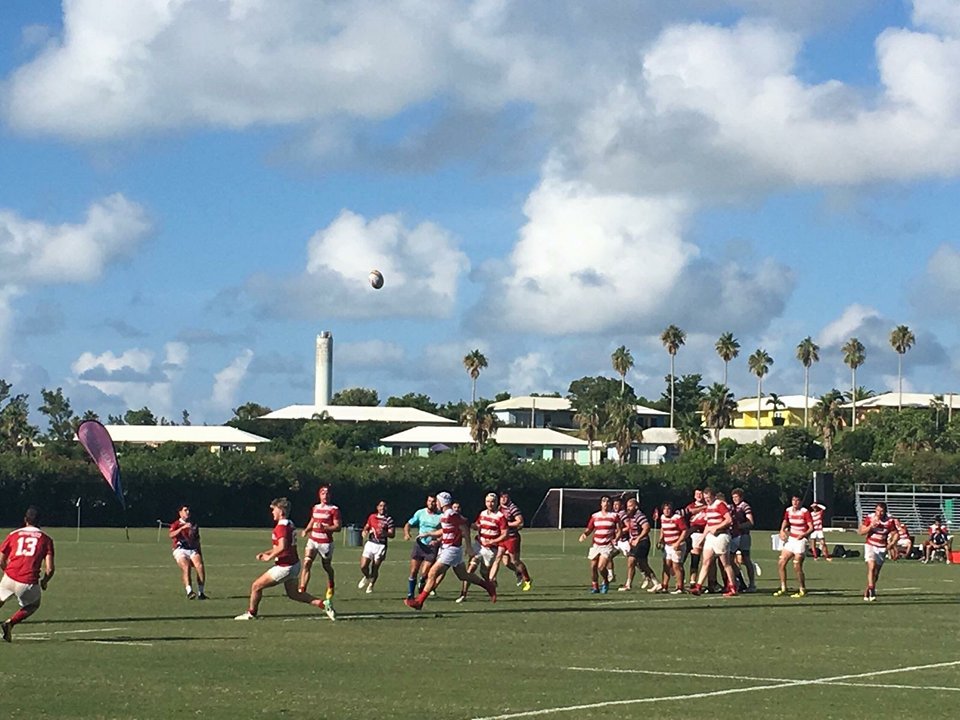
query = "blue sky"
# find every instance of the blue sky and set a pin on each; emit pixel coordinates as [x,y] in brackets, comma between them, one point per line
[193,189]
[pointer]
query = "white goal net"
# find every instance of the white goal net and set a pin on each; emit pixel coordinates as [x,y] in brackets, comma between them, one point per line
[572,507]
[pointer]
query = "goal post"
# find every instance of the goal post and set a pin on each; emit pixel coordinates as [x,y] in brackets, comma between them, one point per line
[572,507]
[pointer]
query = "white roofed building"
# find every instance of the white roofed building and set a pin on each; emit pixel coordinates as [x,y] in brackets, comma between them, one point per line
[216,437]
[525,443]
[359,413]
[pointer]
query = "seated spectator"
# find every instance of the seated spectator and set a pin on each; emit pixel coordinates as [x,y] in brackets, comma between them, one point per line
[939,541]
[904,540]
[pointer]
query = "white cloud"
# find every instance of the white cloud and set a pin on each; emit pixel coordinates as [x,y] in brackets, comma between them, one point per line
[588,261]
[937,291]
[421,266]
[133,375]
[532,372]
[938,15]
[851,321]
[34,252]
[226,383]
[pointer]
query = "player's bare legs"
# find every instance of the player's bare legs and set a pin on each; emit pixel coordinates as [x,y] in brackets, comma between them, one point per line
[18,617]
[327,564]
[785,556]
[751,571]
[185,578]
[201,570]
[309,554]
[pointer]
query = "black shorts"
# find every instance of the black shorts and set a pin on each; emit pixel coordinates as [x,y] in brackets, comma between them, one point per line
[421,551]
[641,551]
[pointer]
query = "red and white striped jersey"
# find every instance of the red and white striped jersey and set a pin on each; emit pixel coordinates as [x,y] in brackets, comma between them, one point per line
[715,513]
[379,526]
[799,521]
[285,530]
[189,539]
[632,525]
[696,515]
[740,512]
[490,526]
[604,527]
[671,528]
[902,530]
[878,536]
[511,512]
[326,515]
[816,513]
[451,525]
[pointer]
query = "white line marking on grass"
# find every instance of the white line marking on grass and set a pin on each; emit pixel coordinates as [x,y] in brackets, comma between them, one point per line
[70,632]
[714,693]
[120,642]
[678,674]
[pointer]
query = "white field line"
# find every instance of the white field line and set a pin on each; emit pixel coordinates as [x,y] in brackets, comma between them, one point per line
[121,642]
[714,693]
[677,674]
[897,687]
[68,632]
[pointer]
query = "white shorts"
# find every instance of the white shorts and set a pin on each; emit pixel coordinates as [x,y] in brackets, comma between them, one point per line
[600,551]
[797,546]
[697,540]
[374,551]
[718,544]
[624,546]
[903,542]
[673,555]
[450,555]
[27,594]
[486,555]
[816,535]
[184,553]
[282,573]
[324,550]
[877,555]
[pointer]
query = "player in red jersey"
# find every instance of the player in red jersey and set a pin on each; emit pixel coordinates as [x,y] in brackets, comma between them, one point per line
[673,539]
[286,568]
[185,538]
[695,515]
[376,532]
[904,540]
[880,536]
[741,541]
[794,530]
[491,527]
[323,523]
[716,543]
[454,529]
[511,546]
[817,540]
[22,554]
[604,525]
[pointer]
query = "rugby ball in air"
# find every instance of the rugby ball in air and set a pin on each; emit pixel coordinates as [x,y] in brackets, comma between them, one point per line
[376,279]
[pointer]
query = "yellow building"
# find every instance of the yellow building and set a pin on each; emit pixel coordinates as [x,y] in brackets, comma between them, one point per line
[786,412]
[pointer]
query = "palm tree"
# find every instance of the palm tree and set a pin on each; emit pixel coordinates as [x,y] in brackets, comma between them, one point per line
[828,417]
[483,423]
[808,352]
[474,362]
[759,364]
[622,427]
[672,338]
[854,353]
[727,348]
[622,363]
[588,420]
[718,408]
[901,339]
[690,431]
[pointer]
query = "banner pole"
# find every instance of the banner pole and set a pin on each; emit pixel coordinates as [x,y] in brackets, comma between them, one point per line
[78,519]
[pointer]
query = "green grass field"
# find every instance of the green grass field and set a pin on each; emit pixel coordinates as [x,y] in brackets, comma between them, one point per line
[116,638]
